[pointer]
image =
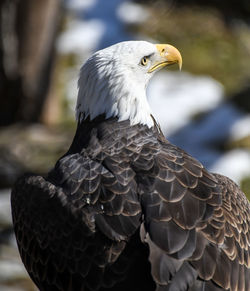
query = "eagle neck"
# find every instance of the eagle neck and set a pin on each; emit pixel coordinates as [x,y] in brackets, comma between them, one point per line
[112,94]
[100,127]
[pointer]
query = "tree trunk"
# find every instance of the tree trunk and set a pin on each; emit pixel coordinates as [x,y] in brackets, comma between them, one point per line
[27,36]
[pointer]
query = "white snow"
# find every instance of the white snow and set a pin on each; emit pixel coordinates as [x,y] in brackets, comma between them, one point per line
[11,270]
[80,37]
[233,164]
[79,5]
[176,96]
[241,128]
[132,13]
[5,212]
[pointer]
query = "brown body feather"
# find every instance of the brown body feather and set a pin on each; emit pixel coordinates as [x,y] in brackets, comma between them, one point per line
[123,196]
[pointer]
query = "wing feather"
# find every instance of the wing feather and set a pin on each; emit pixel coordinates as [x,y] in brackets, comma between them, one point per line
[197,217]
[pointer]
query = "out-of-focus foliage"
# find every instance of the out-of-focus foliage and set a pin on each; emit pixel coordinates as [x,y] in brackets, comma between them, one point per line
[230,9]
[240,143]
[207,43]
[65,64]
[245,186]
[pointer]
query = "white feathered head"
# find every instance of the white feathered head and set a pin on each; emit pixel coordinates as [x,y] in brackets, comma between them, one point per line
[113,81]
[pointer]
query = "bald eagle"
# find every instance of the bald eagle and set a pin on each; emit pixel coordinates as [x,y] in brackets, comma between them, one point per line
[124,209]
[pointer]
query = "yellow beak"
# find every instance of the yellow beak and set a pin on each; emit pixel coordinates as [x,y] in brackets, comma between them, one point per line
[169,55]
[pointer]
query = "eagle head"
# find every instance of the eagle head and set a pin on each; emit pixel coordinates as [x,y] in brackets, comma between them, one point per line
[113,81]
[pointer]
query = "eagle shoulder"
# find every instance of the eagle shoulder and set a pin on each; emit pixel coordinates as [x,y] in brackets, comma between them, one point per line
[76,221]
[196,223]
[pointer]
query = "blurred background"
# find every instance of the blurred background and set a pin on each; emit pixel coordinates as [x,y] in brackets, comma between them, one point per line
[204,109]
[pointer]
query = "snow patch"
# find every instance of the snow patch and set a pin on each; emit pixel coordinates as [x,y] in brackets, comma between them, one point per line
[241,128]
[132,13]
[80,37]
[79,5]
[233,164]
[175,97]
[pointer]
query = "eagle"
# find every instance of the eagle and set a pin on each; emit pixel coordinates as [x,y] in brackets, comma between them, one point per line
[123,208]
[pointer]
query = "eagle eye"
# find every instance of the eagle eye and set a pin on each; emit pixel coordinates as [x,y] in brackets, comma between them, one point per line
[144,61]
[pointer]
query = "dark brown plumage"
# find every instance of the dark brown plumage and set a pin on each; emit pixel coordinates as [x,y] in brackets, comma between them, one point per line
[121,197]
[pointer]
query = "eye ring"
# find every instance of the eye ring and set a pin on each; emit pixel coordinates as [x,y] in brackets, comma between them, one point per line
[144,61]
